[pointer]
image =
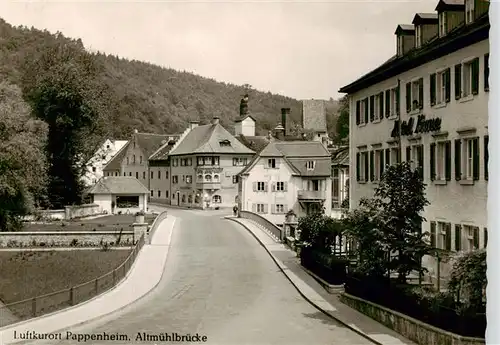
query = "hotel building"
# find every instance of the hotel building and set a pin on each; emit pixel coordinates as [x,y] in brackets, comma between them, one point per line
[429,105]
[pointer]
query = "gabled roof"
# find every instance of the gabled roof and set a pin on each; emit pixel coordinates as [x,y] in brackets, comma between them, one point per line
[254,143]
[208,139]
[297,154]
[118,185]
[425,18]
[149,142]
[116,161]
[241,118]
[407,28]
[341,157]
[163,151]
[450,5]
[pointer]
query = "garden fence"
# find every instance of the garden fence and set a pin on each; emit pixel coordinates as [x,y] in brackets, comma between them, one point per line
[40,305]
[270,227]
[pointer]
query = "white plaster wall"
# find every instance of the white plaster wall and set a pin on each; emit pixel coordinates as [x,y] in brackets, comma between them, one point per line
[245,127]
[455,203]
[104,202]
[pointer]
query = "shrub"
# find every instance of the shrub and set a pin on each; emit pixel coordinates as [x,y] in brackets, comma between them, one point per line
[74,242]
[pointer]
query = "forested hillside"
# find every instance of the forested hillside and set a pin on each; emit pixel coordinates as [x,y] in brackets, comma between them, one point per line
[151,98]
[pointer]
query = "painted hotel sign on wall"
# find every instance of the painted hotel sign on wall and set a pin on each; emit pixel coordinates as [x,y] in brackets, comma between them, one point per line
[423,126]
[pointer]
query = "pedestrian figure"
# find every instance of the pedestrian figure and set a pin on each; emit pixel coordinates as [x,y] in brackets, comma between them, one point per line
[235,210]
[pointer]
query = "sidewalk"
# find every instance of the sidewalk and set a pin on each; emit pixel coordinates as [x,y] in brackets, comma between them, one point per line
[314,293]
[144,275]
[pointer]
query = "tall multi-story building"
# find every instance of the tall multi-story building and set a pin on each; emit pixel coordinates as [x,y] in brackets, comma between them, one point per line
[94,167]
[204,165]
[428,105]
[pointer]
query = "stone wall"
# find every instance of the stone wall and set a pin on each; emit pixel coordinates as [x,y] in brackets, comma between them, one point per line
[66,239]
[415,330]
[79,211]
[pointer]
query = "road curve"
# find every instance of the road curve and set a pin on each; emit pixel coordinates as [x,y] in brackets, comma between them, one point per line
[219,283]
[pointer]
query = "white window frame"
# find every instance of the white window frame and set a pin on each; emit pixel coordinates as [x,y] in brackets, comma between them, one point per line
[280,186]
[468,233]
[441,234]
[440,161]
[415,94]
[441,87]
[394,104]
[376,109]
[443,23]
[362,109]
[271,163]
[469,11]
[362,168]
[217,199]
[310,165]
[400,45]
[468,159]
[189,179]
[261,184]
[260,208]
[467,78]
[279,208]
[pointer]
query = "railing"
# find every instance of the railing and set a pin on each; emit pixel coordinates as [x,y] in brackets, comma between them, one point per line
[44,304]
[311,195]
[270,227]
[151,230]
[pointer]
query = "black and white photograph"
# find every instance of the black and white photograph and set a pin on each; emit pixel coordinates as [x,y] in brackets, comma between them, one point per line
[248,172]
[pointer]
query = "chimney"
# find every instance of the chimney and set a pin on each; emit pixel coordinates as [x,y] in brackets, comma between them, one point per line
[279,132]
[215,121]
[193,124]
[285,121]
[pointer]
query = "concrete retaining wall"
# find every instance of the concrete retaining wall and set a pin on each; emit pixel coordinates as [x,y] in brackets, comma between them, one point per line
[86,210]
[415,330]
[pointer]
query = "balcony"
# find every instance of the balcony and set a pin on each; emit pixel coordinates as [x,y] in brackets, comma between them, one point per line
[208,185]
[311,195]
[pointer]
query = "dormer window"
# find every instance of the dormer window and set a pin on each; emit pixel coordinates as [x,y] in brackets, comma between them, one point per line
[443,23]
[310,165]
[469,11]
[225,143]
[418,36]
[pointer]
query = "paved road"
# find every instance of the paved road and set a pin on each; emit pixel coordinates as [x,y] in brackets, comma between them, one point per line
[219,282]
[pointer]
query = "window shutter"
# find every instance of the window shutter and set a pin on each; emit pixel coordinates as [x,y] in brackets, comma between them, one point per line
[398,155]
[273,208]
[358,171]
[381,105]
[433,88]
[458,237]
[387,103]
[487,72]
[447,76]
[285,208]
[397,100]
[485,240]
[366,166]
[421,93]
[476,237]
[273,186]
[358,110]
[448,237]
[266,208]
[285,186]
[381,161]
[486,157]
[254,186]
[408,153]
[254,207]
[266,185]
[366,110]
[433,161]
[433,234]
[372,170]
[458,159]
[447,160]
[475,159]
[408,97]
[475,76]
[372,108]
[387,156]
[458,81]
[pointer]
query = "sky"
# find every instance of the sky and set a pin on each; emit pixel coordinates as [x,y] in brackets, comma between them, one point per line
[300,49]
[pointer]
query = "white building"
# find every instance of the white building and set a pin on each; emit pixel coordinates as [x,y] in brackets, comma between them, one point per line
[102,156]
[340,180]
[287,176]
[436,88]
